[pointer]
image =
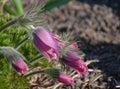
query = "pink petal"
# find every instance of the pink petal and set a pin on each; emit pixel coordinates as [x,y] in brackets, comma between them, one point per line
[47,56]
[19,65]
[74,45]
[65,78]
[45,37]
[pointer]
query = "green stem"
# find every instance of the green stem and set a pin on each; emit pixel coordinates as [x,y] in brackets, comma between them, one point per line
[36,59]
[10,23]
[22,42]
[33,73]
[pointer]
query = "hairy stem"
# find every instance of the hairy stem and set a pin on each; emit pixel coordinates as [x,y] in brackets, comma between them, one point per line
[10,23]
[22,42]
[33,73]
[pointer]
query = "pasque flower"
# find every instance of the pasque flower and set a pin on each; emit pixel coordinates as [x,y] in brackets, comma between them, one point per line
[61,77]
[65,78]
[15,59]
[19,65]
[73,60]
[46,42]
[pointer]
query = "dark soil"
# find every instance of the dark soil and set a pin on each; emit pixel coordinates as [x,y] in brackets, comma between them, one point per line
[96,27]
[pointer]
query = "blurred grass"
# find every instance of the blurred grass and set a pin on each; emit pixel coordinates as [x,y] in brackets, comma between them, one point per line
[12,36]
[9,79]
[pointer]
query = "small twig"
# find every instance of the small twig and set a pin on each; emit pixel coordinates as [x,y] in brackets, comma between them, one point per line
[59,84]
[94,70]
[118,86]
[97,78]
[91,61]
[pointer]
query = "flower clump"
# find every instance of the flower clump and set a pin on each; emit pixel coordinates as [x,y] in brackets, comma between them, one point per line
[50,44]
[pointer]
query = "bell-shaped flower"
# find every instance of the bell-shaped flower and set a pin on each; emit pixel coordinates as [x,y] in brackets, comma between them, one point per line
[15,59]
[73,60]
[19,65]
[46,42]
[63,78]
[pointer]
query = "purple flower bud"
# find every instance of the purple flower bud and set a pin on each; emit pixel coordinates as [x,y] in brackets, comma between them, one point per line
[73,60]
[65,78]
[19,65]
[46,42]
[15,59]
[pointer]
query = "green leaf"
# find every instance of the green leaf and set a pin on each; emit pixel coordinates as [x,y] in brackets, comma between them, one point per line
[9,10]
[18,6]
[53,3]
